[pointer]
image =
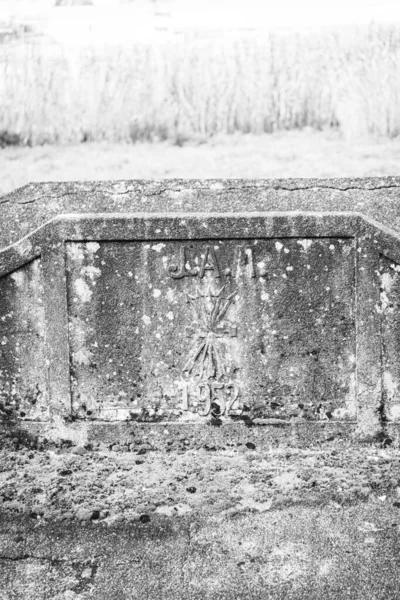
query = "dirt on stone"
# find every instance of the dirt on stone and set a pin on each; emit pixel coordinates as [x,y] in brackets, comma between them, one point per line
[63,482]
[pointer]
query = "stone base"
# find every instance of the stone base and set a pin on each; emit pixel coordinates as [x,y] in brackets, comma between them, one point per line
[124,435]
[303,553]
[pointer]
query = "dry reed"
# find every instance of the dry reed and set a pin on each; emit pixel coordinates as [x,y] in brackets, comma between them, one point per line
[193,90]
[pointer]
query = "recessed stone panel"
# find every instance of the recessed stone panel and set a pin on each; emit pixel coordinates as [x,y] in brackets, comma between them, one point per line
[23,368]
[229,329]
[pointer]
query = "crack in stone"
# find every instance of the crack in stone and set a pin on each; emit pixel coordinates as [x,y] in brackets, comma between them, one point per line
[308,188]
[32,557]
[244,187]
[53,561]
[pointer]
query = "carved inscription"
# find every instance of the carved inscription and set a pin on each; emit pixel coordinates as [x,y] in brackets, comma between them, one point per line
[210,385]
[217,398]
[207,357]
[209,262]
[211,388]
[189,330]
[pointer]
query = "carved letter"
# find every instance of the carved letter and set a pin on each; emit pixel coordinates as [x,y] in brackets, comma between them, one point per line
[215,386]
[185,400]
[233,396]
[206,388]
[179,271]
[205,266]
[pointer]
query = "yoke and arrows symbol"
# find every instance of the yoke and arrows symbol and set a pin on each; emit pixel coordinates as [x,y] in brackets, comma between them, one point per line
[209,310]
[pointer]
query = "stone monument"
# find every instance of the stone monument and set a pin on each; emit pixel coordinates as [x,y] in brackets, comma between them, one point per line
[167,317]
[184,302]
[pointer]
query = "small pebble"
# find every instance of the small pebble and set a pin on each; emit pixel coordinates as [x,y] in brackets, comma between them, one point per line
[250,446]
[78,450]
[144,518]
[84,514]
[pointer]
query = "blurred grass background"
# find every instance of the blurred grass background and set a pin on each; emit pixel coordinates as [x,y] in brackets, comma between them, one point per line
[346,80]
[200,103]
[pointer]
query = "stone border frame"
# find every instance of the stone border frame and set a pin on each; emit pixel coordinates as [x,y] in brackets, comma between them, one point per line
[48,242]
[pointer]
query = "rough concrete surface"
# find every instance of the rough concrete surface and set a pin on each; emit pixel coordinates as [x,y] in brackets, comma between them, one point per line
[200,390]
[235,521]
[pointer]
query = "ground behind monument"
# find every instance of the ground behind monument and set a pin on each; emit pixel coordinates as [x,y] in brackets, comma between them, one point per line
[300,153]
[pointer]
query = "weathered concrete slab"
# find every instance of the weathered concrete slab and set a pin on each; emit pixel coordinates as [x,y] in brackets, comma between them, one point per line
[294,554]
[200,390]
[197,302]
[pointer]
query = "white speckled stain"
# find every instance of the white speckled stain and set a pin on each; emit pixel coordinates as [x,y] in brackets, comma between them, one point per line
[170,295]
[278,246]
[92,247]
[76,252]
[387,282]
[82,354]
[264,296]
[18,277]
[82,290]
[217,186]
[262,268]
[158,247]
[146,320]
[156,293]
[82,357]
[385,305]
[305,243]
[170,315]
[91,272]
[393,412]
